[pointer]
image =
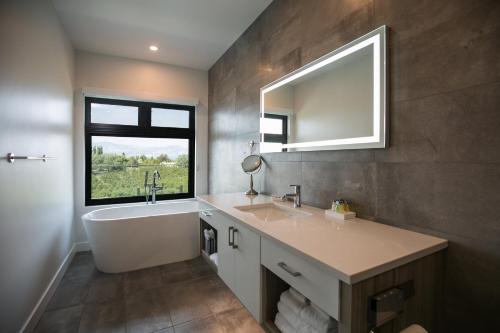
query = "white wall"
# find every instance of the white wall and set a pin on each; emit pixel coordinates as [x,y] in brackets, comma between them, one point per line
[36,198]
[126,78]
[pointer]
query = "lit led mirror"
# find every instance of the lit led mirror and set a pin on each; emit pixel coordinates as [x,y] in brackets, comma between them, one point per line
[335,102]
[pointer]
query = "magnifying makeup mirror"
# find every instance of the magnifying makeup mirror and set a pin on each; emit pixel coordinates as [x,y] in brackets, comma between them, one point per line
[251,165]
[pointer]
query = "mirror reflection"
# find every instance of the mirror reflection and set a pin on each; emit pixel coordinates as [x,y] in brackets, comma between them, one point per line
[332,103]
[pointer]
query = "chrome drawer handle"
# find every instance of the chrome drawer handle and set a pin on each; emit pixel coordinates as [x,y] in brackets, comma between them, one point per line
[204,213]
[287,269]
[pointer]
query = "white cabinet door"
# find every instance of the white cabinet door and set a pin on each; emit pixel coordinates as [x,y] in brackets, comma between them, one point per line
[226,253]
[247,269]
[239,261]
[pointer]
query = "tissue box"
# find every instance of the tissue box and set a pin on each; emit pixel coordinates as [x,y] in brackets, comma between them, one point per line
[341,216]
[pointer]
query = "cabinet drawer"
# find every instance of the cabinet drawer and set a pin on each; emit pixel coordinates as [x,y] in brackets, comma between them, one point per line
[308,278]
[210,216]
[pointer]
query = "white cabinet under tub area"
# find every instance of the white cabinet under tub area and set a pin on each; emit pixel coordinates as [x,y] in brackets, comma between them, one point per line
[362,274]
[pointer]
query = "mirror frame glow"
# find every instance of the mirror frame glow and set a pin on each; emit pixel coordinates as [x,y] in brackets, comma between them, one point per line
[375,38]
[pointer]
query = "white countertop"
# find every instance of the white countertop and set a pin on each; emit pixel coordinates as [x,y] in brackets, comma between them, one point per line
[353,250]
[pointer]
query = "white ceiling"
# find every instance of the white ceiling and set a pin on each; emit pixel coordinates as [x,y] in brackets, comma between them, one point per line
[190,33]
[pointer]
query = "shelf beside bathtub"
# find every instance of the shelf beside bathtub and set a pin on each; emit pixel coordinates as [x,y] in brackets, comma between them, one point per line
[210,260]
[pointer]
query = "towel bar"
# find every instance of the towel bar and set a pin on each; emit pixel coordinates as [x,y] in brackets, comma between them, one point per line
[11,157]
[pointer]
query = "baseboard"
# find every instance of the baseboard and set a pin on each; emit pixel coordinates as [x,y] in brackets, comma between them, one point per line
[42,303]
[82,247]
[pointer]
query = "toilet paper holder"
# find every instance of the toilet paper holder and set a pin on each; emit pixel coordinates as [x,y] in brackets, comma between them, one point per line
[389,304]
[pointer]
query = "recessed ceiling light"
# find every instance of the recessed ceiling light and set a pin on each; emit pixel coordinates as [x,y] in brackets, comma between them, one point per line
[153,48]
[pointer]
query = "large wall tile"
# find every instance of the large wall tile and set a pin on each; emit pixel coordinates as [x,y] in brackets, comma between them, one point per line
[472,290]
[457,53]
[460,126]
[355,182]
[280,175]
[456,199]
[408,18]
[326,29]
[440,174]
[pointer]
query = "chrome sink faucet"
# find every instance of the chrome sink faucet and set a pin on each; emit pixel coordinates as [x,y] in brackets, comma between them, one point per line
[295,196]
[151,189]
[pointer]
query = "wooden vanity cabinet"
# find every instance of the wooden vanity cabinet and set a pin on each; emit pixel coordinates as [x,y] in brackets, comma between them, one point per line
[423,307]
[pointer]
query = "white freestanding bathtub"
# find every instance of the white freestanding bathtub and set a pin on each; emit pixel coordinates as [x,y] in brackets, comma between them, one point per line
[133,237]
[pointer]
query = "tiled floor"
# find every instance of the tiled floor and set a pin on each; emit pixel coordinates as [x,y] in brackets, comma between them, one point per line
[180,297]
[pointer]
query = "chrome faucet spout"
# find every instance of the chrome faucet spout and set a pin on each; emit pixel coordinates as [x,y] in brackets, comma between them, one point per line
[296,196]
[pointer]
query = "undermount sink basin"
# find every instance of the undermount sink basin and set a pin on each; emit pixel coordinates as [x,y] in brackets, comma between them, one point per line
[271,212]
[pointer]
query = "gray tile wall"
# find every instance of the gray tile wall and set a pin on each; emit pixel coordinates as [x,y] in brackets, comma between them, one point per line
[441,173]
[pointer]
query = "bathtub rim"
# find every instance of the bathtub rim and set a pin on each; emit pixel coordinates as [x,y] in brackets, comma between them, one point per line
[87,216]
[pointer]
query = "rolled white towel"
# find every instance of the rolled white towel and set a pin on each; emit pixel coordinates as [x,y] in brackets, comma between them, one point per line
[307,329]
[211,233]
[294,320]
[298,295]
[290,316]
[293,302]
[317,318]
[414,329]
[283,325]
[215,258]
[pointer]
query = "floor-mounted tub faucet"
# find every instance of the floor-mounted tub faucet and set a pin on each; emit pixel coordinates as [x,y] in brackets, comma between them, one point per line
[151,189]
[154,188]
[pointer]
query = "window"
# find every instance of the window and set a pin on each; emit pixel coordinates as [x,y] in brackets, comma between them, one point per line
[126,139]
[275,129]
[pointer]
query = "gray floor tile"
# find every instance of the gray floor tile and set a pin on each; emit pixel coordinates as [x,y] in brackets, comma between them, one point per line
[239,321]
[186,270]
[200,268]
[217,295]
[147,311]
[166,330]
[187,294]
[184,302]
[220,300]
[148,278]
[210,282]
[205,325]
[103,318]
[60,321]
[105,288]
[82,267]
[198,261]
[70,292]
[176,266]
[176,272]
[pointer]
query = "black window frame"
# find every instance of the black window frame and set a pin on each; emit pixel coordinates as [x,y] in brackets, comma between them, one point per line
[142,130]
[278,138]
